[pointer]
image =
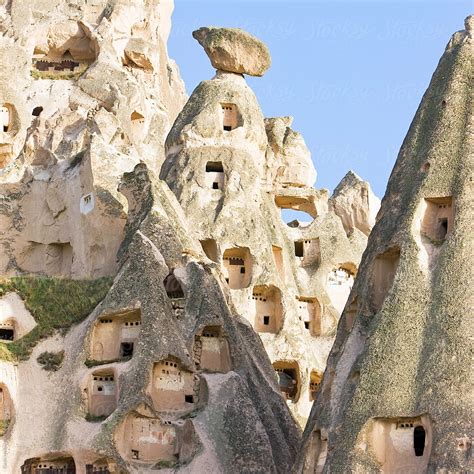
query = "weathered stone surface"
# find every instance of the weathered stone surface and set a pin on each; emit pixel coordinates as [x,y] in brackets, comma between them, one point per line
[395,395]
[168,371]
[81,200]
[72,137]
[139,52]
[292,159]
[260,168]
[234,50]
[355,203]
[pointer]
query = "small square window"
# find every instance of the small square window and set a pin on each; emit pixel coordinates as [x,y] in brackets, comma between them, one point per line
[215,185]
[189,399]
[266,320]
[227,128]
[242,269]
[126,349]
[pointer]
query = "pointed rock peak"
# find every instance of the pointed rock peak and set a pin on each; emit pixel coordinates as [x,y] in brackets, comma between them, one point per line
[234,50]
[355,203]
[350,180]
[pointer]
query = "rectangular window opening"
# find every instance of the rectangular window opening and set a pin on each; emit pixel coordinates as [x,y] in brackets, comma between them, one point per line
[126,349]
[299,252]
[7,334]
[214,167]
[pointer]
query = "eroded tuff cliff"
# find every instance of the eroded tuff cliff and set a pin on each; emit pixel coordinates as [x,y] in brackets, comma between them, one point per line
[86,92]
[147,365]
[145,355]
[396,395]
[236,174]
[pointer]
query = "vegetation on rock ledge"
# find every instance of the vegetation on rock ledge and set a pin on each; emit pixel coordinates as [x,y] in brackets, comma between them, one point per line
[55,304]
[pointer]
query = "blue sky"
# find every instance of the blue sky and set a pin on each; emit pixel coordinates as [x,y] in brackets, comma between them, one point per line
[350,73]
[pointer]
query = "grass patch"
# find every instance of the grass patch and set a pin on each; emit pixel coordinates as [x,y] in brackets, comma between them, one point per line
[51,361]
[56,304]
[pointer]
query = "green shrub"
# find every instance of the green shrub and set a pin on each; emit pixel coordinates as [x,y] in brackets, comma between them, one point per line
[51,361]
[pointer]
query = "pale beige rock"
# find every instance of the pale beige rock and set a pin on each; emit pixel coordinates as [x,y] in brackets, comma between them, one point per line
[13,311]
[83,134]
[77,136]
[234,173]
[355,203]
[234,50]
[292,159]
[139,53]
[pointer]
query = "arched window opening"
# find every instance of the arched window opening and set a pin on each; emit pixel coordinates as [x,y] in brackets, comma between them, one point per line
[211,350]
[138,124]
[146,439]
[173,287]
[102,466]
[309,311]
[288,379]
[314,383]
[296,211]
[237,269]
[419,436]
[437,219]
[400,444]
[49,465]
[268,310]
[173,388]
[102,394]
[340,282]
[308,252]
[7,331]
[114,336]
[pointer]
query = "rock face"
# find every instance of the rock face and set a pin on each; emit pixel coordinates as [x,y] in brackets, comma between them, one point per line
[288,154]
[236,176]
[133,308]
[395,394]
[355,203]
[136,359]
[234,50]
[94,94]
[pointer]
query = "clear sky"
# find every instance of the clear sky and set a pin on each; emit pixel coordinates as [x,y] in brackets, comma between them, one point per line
[350,73]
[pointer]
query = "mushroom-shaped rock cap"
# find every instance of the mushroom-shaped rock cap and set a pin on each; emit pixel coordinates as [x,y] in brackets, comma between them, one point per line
[234,50]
